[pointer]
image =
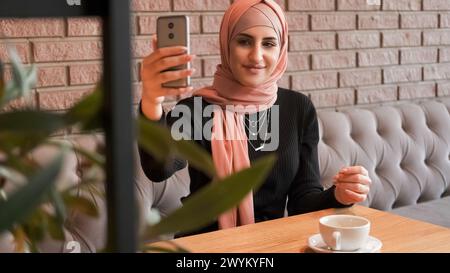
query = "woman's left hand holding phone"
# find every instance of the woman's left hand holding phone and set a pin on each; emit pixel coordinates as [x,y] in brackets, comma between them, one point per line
[154,73]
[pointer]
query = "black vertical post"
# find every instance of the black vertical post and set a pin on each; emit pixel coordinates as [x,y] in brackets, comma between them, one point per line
[118,121]
[119,128]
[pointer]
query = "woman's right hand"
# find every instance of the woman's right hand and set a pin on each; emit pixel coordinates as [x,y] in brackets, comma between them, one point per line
[159,60]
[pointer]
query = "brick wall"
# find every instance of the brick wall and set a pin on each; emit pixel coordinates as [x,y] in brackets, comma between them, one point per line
[342,53]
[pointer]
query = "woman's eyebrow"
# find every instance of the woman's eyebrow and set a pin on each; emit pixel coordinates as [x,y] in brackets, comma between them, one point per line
[245,35]
[251,37]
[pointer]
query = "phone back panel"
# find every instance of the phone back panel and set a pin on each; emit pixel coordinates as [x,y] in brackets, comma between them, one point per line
[174,31]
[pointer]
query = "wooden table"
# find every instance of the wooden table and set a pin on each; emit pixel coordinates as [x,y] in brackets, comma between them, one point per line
[290,234]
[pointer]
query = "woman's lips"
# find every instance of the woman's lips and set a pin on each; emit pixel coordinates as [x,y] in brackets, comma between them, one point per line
[254,69]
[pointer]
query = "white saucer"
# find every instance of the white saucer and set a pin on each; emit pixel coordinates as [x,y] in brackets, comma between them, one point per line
[316,243]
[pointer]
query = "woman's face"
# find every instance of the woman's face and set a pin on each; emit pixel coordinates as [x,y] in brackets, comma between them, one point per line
[253,55]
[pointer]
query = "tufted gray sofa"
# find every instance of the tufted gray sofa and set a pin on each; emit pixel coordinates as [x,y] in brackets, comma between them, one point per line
[405,148]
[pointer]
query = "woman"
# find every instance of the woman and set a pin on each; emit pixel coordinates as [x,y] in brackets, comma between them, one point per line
[253,43]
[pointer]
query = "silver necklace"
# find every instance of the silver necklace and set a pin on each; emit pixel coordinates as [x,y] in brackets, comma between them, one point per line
[256,123]
[265,134]
[260,146]
[253,123]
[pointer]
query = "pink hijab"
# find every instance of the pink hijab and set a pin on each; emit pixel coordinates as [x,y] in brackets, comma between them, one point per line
[230,154]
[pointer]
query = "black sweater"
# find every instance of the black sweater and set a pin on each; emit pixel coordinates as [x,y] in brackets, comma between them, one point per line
[295,176]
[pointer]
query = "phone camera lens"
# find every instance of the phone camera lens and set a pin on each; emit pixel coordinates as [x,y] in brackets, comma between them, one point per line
[171,35]
[170,25]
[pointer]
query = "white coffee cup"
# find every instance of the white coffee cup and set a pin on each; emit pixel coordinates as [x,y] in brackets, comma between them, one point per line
[344,232]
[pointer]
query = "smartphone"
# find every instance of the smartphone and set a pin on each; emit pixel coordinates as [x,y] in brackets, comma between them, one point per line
[174,31]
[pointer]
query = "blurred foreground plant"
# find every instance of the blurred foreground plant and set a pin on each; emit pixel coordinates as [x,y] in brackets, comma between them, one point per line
[32,205]
[38,205]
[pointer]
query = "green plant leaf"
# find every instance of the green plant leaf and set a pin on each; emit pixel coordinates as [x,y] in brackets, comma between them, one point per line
[157,140]
[88,111]
[27,198]
[195,155]
[163,249]
[81,204]
[55,228]
[27,129]
[154,139]
[19,142]
[58,204]
[23,80]
[22,165]
[172,247]
[203,207]
[19,238]
[31,121]
[35,225]
[12,175]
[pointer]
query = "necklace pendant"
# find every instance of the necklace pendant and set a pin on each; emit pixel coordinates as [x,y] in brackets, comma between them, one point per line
[253,134]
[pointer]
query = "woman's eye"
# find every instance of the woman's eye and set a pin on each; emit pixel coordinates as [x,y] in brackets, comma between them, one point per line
[244,42]
[269,44]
